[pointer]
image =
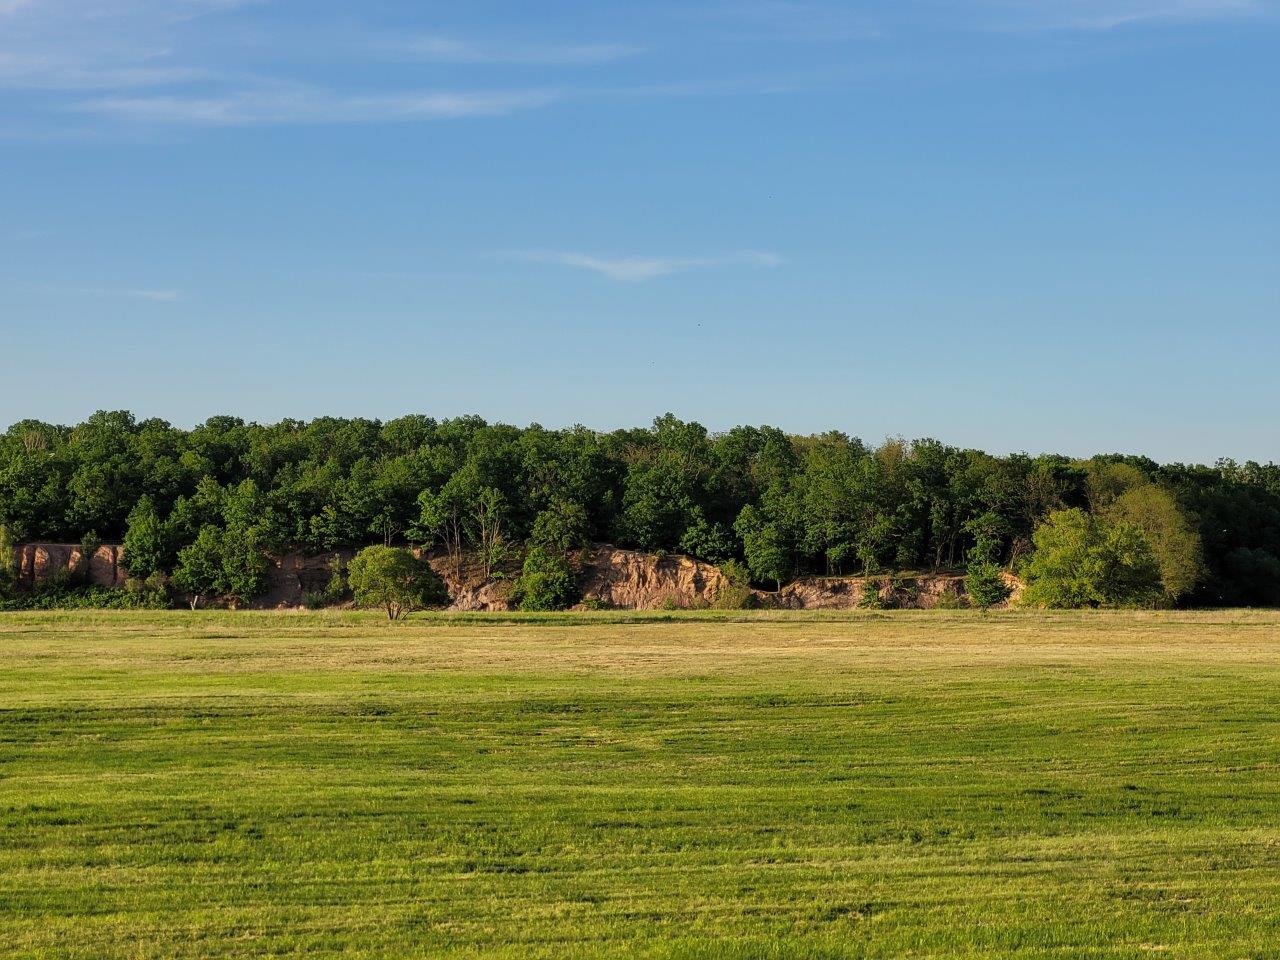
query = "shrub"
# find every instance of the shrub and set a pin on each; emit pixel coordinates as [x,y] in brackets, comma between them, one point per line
[985,585]
[735,592]
[157,585]
[89,545]
[950,599]
[64,595]
[545,582]
[873,596]
[335,591]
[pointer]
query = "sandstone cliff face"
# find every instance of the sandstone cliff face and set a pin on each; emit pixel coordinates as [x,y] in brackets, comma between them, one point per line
[608,576]
[630,580]
[844,593]
[469,589]
[847,593]
[40,561]
[291,577]
[493,595]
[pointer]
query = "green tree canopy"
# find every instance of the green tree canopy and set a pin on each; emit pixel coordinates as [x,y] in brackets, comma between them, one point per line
[765,544]
[395,580]
[1175,543]
[821,504]
[221,563]
[146,548]
[562,526]
[1081,561]
[546,582]
[984,583]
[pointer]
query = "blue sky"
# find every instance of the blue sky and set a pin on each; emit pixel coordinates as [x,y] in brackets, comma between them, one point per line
[1017,225]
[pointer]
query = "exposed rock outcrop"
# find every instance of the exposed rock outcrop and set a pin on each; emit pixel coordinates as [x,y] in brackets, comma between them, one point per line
[40,561]
[292,577]
[494,595]
[608,576]
[630,580]
[846,593]
[295,575]
[470,588]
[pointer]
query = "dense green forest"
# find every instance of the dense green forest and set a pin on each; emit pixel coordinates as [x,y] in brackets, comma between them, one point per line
[227,493]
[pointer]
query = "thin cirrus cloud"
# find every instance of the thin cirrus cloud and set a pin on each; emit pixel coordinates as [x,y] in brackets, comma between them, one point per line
[314,106]
[142,62]
[152,295]
[136,61]
[791,21]
[437,49]
[56,73]
[1105,15]
[156,296]
[636,269]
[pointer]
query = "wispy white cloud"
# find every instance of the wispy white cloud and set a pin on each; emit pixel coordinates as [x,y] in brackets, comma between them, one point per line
[793,21]
[299,105]
[139,61]
[153,295]
[204,7]
[1104,15]
[104,45]
[157,296]
[52,72]
[142,61]
[634,269]
[438,49]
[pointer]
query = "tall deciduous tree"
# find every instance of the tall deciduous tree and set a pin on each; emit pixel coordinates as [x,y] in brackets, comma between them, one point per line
[1176,545]
[1081,561]
[221,563]
[767,554]
[199,572]
[145,540]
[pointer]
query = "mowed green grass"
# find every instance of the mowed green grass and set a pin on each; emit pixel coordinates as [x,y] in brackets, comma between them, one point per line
[786,786]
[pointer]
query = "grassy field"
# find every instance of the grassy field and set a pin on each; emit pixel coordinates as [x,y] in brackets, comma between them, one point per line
[786,786]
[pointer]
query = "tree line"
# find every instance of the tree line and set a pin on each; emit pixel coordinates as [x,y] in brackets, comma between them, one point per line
[209,504]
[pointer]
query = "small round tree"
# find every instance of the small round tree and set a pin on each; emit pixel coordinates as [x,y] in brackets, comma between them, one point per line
[394,579]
